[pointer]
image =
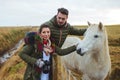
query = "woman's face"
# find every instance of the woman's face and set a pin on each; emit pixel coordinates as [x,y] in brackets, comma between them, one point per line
[45,33]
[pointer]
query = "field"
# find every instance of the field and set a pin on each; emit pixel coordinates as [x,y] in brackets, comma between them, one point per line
[9,36]
[14,68]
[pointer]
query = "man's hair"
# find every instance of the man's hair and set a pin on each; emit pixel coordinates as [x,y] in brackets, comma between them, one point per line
[63,11]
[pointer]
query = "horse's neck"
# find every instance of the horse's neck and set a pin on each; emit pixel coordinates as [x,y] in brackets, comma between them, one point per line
[101,54]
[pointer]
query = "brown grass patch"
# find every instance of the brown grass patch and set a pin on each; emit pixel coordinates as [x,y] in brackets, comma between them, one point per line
[14,68]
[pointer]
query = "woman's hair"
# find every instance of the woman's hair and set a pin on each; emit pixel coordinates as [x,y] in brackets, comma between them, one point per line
[43,26]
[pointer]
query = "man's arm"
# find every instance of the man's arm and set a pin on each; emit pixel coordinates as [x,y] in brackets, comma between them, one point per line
[75,31]
[65,51]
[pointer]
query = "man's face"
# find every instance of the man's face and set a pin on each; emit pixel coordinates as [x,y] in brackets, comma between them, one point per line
[61,19]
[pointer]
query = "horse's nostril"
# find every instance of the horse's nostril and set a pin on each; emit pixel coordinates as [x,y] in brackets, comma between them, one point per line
[79,51]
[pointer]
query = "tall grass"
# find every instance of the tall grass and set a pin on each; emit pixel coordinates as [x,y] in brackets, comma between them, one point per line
[9,36]
[16,71]
[113,35]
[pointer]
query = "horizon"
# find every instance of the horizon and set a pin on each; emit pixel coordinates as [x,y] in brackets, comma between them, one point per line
[71,25]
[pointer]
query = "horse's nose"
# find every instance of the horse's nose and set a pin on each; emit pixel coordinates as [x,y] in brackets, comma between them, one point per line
[79,52]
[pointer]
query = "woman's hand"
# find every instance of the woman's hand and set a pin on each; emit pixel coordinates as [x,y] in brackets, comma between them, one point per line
[39,63]
[48,50]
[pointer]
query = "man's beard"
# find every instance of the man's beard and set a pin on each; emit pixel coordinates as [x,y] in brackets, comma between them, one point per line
[61,25]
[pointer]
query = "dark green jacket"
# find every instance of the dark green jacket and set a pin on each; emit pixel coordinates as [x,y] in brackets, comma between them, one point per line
[29,55]
[59,33]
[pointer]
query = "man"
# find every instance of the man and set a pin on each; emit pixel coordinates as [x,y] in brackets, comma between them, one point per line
[60,29]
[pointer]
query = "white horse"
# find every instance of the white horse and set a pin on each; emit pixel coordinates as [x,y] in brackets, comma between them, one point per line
[92,57]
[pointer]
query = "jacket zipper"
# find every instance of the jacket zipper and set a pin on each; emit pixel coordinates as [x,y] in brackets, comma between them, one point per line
[60,37]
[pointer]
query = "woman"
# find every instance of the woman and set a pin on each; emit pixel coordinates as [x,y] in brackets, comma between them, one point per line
[39,61]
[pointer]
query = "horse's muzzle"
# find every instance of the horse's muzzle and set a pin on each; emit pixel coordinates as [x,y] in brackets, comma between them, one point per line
[79,52]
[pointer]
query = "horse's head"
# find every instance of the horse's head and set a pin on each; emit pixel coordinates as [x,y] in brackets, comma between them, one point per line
[94,38]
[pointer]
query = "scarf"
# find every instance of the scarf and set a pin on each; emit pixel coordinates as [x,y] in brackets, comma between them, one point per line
[44,45]
[47,47]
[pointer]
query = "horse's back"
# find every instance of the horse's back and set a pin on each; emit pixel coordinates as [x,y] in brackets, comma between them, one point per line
[71,40]
[72,58]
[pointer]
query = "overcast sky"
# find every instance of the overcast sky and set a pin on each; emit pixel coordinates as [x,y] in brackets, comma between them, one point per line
[35,12]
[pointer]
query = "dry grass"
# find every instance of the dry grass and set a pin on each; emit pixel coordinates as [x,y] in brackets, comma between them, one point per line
[113,35]
[14,68]
[9,36]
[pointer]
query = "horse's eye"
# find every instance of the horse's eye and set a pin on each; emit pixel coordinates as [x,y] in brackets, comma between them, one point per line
[95,36]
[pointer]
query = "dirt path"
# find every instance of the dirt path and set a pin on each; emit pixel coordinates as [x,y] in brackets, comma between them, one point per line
[8,69]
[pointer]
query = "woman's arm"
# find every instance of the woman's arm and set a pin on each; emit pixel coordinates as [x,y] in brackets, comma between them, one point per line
[26,53]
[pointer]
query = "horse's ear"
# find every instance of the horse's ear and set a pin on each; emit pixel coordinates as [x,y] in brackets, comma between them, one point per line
[89,23]
[100,26]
